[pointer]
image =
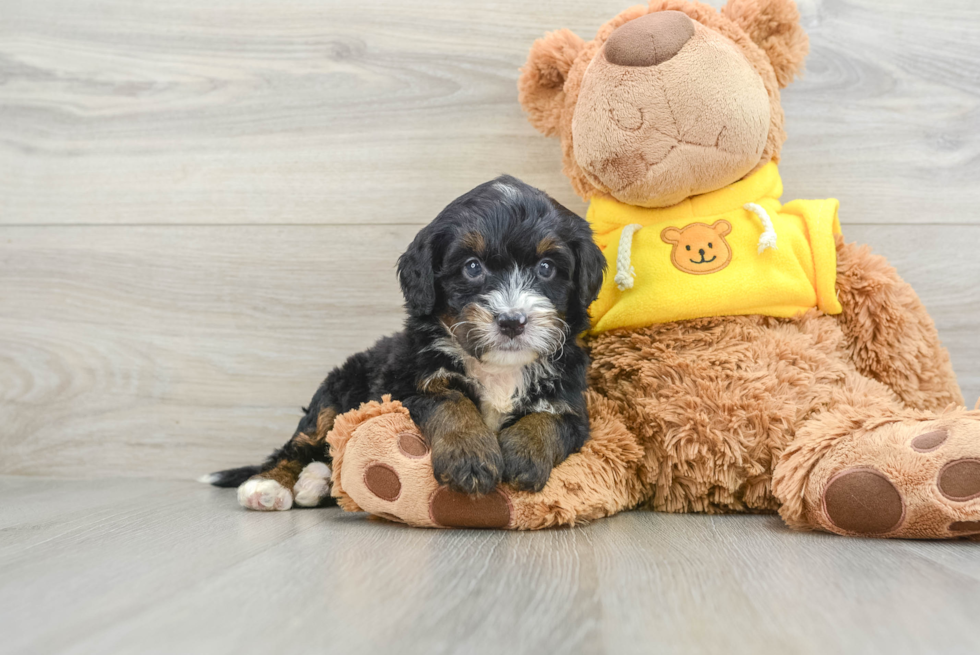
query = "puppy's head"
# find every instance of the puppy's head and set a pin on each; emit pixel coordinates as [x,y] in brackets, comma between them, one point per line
[509,273]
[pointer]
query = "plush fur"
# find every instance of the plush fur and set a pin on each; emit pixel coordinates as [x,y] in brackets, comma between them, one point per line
[552,81]
[497,289]
[851,423]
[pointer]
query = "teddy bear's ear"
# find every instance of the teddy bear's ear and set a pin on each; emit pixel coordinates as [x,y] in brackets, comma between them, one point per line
[774,26]
[542,81]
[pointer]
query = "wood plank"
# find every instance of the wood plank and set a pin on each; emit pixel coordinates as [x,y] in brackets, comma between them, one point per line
[164,351]
[172,351]
[77,558]
[935,260]
[168,567]
[374,111]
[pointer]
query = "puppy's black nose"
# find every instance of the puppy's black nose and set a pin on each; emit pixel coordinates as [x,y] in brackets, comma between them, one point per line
[512,325]
[701,250]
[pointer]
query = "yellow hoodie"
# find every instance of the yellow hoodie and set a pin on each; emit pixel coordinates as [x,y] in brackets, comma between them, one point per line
[734,251]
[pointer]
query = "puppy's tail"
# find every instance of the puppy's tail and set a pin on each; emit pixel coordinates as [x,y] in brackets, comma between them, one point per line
[230,477]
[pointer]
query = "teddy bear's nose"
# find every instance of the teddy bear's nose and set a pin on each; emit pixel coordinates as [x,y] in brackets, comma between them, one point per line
[650,40]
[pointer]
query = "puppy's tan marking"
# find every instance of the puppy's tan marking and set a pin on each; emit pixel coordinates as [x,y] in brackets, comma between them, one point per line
[285,473]
[546,245]
[454,420]
[475,242]
[465,451]
[324,423]
[435,384]
[535,436]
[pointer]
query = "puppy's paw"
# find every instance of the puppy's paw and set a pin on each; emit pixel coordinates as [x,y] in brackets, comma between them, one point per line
[528,459]
[471,464]
[526,472]
[313,485]
[264,494]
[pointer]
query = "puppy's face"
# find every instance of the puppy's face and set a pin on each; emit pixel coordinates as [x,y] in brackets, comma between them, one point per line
[508,272]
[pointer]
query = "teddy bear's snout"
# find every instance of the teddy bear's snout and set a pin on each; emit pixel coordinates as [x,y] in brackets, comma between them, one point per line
[650,40]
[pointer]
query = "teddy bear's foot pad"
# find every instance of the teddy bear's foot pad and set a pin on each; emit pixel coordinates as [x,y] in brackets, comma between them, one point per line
[924,484]
[451,509]
[387,471]
[863,501]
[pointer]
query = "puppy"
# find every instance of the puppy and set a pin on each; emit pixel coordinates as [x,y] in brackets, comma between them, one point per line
[489,364]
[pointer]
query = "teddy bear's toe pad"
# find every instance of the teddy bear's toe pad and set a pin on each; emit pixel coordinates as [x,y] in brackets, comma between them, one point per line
[412,445]
[451,509]
[960,480]
[383,482]
[928,442]
[863,501]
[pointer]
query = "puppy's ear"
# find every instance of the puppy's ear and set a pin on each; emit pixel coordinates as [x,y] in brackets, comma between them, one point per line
[774,26]
[590,266]
[416,275]
[541,85]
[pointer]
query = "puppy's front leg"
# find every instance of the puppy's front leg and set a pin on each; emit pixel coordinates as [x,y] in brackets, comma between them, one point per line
[465,452]
[536,443]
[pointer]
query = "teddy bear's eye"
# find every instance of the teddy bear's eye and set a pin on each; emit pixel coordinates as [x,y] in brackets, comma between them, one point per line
[689,247]
[709,245]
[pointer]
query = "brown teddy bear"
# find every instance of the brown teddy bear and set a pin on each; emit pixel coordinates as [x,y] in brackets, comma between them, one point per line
[744,358]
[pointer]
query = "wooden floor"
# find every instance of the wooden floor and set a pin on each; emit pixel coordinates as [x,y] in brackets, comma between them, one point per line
[127,566]
[201,203]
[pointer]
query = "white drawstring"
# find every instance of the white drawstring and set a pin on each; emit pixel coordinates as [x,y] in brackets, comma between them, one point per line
[624,271]
[768,238]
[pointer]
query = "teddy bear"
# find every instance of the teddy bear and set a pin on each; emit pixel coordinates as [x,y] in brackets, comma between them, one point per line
[744,357]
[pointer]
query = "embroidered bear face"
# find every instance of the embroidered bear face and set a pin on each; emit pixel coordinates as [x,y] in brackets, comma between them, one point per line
[699,248]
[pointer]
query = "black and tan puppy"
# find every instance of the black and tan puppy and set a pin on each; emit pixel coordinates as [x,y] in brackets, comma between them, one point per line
[497,290]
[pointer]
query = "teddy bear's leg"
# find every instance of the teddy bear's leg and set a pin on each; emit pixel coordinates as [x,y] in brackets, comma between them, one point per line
[890,335]
[383,466]
[869,467]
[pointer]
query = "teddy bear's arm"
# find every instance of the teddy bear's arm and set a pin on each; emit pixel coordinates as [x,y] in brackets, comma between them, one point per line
[889,334]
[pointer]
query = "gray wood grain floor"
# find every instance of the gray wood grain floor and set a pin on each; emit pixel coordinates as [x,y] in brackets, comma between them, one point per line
[201,203]
[115,566]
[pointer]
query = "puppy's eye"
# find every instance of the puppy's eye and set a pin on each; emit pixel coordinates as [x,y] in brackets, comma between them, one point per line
[473,269]
[709,245]
[689,247]
[546,269]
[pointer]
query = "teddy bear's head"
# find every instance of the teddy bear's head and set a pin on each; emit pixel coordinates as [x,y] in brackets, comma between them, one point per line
[668,101]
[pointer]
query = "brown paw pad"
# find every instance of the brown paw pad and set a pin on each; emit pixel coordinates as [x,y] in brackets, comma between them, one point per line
[928,442]
[451,509]
[968,527]
[959,480]
[412,445]
[382,481]
[863,501]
